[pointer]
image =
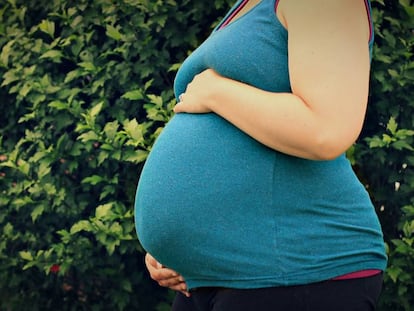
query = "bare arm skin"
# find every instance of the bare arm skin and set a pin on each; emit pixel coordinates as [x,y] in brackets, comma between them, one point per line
[329,71]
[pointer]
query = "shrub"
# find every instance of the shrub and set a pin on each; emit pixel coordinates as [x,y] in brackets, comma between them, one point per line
[385,158]
[85,90]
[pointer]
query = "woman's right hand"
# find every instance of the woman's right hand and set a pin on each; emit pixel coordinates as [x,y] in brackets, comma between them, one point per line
[165,277]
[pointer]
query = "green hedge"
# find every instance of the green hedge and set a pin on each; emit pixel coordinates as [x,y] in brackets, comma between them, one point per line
[385,157]
[85,89]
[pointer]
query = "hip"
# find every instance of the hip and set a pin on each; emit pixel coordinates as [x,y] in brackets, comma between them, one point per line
[354,294]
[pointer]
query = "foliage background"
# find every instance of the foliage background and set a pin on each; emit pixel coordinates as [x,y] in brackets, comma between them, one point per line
[86,87]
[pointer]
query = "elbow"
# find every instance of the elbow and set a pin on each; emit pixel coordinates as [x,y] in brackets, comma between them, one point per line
[329,145]
[327,153]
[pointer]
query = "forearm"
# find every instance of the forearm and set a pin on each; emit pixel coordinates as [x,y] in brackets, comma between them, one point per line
[281,121]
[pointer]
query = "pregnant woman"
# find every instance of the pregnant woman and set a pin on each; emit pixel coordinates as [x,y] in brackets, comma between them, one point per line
[247,201]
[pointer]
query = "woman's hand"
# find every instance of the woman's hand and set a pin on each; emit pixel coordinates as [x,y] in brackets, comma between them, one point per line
[165,277]
[198,95]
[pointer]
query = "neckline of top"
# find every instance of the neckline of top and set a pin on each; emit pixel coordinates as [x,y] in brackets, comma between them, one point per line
[229,18]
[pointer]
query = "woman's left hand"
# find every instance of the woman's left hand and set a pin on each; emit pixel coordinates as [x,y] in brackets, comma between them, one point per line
[165,277]
[198,95]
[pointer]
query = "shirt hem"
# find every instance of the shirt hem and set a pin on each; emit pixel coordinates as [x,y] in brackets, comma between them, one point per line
[283,280]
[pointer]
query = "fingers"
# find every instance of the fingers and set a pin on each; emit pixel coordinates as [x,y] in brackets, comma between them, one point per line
[179,106]
[157,271]
[164,276]
[179,287]
[152,263]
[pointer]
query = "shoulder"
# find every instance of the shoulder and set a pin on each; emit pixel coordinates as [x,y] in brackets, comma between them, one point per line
[351,15]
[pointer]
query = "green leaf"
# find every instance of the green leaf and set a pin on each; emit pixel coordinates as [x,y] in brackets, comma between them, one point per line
[22,201]
[404,133]
[88,66]
[27,87]
[29,265]
[72,75]
[116,155]
[27,117]
[10,77]
[135,156]
[103,211]
[408,6]
[96,109]
[26,255]
[37,211]
[134,130]
[50,189]
[58,105]
[43,170]
[23,166]
[106,192]
[408,210]
[5,53]
[8,229]
[157,100]
[133,95]
[116,229]
[54,55]
[393,273]
[93,180]
[387,139]
[401,145]
[107,147]
[82,225]
[47,27]
[126,285]
[113,33]
[88,136]
[111,129]
[103,155]
[392,125]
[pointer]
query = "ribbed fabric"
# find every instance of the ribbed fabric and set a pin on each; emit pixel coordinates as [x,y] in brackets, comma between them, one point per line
[224,210]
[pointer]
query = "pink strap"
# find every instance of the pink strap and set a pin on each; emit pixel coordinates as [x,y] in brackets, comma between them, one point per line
[276,4]
[228,20]
[358,274]
[369,19]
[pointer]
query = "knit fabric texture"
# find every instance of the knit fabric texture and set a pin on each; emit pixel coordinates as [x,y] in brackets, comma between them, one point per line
[224,210]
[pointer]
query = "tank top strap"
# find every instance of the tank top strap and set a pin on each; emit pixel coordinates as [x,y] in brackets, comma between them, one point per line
[276,4]
[230,14]
[371,23]
[237,7]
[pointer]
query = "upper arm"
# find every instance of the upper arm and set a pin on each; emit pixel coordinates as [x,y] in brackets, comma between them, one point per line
[329,61]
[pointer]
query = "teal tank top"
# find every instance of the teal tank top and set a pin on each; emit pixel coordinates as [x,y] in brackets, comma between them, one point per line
[224,210]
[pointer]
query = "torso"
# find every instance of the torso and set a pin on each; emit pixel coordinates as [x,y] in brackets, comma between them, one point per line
[224,210]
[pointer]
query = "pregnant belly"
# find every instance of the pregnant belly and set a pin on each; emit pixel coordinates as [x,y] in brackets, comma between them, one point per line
[205,187]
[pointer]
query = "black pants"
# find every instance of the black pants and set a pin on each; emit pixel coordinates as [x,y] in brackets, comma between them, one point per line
[342,295]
